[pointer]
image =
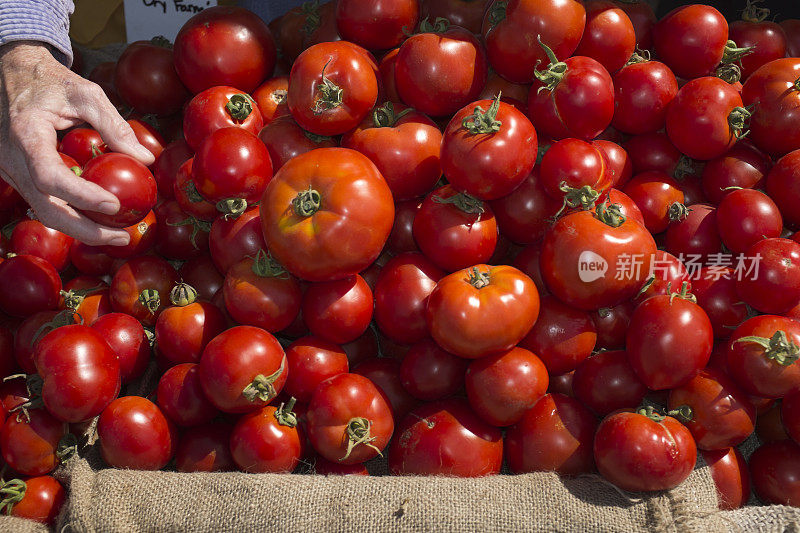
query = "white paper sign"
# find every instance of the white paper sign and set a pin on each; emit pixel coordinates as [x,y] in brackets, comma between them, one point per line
[145,19]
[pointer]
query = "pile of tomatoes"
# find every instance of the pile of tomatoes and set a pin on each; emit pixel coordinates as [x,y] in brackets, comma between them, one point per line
[457,234]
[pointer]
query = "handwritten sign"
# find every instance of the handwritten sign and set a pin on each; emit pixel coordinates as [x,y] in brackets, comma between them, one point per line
[145,19]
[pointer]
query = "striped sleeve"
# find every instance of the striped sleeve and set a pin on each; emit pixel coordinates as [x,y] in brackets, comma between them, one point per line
[45,21]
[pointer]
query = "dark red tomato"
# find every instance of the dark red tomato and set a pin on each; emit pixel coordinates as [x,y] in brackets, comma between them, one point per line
[363,348]
[374,24]
[332,87]
[458,305]
[775,471]
[694,234]
[348,419]
[13,393]
[790,414]
[609,35]
[323,467]
[146,80]
[135,434]
[743,166]
[30,332]
[618,164]
[311,361]
[267,440]
[271,98]
[231,163]
[611,324]
[731,476]
[591,259]
[384,373]
[722,415]
[181,398]
[386,76]
[555,434]
[747,216]
[652,151]
[643,18]
[141,287]
[184,329]
[672,354]
[201,274]
[761,355]
[791,28]
[89,260]
[404,145]
[765,39]
[165,168]
[706,118]
[441,69]
[79,370]
[455,230]
[430,373]
[715,290]
[488,149]
[128,180]
[224,45]
[82,144]
[644,451]
[401,296]
[511,33]
[465,13]
[42,498]
[692,189]
[320,26]
[502,387]
[642,92]
[338,311]
[233,239]
[515,94]
[28,285]
[188,198]
[606,382]
[34,238]
[562,384]
[178,235]
[126,337]
[446,438]
[691,40]
[562,336]
[285,139]
[769,280]
[326,214]
[576,98]
[401,239]
[659,198]
[782,187]
[103,75]
[205,448]
[29,445]
[7,362]
[219,107]
[573,164]
[769,426]
[668,275]
[524,215]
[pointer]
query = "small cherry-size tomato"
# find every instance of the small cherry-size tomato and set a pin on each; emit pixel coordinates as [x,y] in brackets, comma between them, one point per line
[609,36]
[348,419]
[332,87]
[224,45]
[691,40]
[642,92]
[731,476]
[446,438]
[135,434]
[775,471]
[41,498]
[128,180]
[770,279]
[555,434]
[430,373]
[311,361]
[141,287]
[216,108]
[242,369]
[644,451]
[488,149]
[377,25]
[502,387]
[267,440]
[146,80]
[28,284]
[181,398]
[30,445]
[127,338]
[205,448]
[458,307]
[606,382]
[338,311]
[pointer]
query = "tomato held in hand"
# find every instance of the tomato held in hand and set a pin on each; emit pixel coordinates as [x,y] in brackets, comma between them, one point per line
[128,180]
[135,434]
[644,451]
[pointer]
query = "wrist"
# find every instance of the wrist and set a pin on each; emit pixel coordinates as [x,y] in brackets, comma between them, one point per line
[22,52]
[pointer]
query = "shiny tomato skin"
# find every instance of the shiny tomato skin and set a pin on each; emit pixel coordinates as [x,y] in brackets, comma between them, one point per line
[691,40]
[652,151]
[205,448]
[34,238]
[502,387]
[747,216]
[348,230]
[611,324]
[636,453]
[744,166]
[430,373]
[775,471]
[188,198]
[376,25]
[336,402]
[642,94]
[181,398]
[654,193]
[697,234]
[29,447]
[524,215]
[28,284]
[233,239]
[384,373]
[135,434]
[606,382]
[575,163]
[773,287]
[143,273]
[285,139]
[446,438]
[783,189]
[165,168]
[731,476]
[82,144]
[128,180]
[126,336]
[224,45]
[270,97]
[457,308]
[148,136]
[618,163]
[182,332]
[609,35]
[261,443]
[715,291]
[554,435]
[767,39]
[231,362]
[201,274]
[219,107]
[311,361]
[42,501]
[338,311]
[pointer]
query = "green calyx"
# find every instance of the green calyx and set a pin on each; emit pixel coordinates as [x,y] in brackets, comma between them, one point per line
[583,197]
[497,13]
[62,318]
[191,193]
[306,203]
[796,85]
[239,106]
[33,385]
[463,202]
[483,122]
[677,212]
[313,18]
[266,267]
[683,413]
[284,414]
[777,348]
[730,73]
[12,492]
[357,432]
[183,294]
[684,294]
[733,53]
[161,41]
[385,116]
[479,279]
[67,447]
[610,214]
[151,300]
[739,120]
[316,138]
[263,387]
[439,25]
[329,95]
[639,56]
[73,298]
[684,168]
[197,227]
[232,207]
[753,13]
[555,71]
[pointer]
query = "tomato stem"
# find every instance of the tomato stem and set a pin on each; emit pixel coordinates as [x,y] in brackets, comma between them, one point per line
[263,387]
[358,432]
[284,414]
[182,294]
[738,119]
[150,299]
[62,318]
[478,279]
[316,138]
[12,491]
[329,94]
[33,384]
[610,214]
[683,295]
[197,226]
[683,413]
[73,298]
[796,85]
[733,53]
[232,207]
[313,19]
[385,117]
[585,197]
[161,41]
[191,193]
[265,266]
[464,202]
[677,212]
[439,25]
[76,170]
[481,121]
[555,71]
[639,56]
[778,348]
[307,202]
[497,13]
[67,446]
[751,13]
[684,167]
[650,412]
[729,72]
[239,106]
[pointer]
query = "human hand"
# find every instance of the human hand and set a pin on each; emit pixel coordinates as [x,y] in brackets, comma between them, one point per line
[39,96]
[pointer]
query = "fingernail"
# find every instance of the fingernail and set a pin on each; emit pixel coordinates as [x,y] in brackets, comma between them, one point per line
[109,208]
[119,241]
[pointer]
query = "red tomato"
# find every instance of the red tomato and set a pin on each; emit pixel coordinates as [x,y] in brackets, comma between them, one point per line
[618,163]
[224,45]
[178,235]
[609,36]
[765,39]
[128,180]
[458,305]
[430,373]
[375,24]
[770,281]
[446,438]
[555,434]
[644,451]
[571,165]
[311,361]
[643,18]
[327,214]
[773,90]
[525,215]
[441,69]
[653,151]
[338,311]
[747,216]
[188,198]
[165,168]
[233,239]
[783,189]
[134,433]
[205,448]
[465,13]
[606,382]
[611,324]
[34,238]
[790,414]
[141,287]
[731,476]
[82,144]
[146,80]
[267,440]
[242,369]
[127,338]
[271,98]
[285,139]
[148,136]
[642,92]
[142,237]
[659,198]
[89,260]
[324,467]
[715,289]
[29,445]
[775,471]
[384,373]
[201,274]
[216,108]
[695,234]
[792,29]
[348,419]
[41,499]
[181,398]
[691,40]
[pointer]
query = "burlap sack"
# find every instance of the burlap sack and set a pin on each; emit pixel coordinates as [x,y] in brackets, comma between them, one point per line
[19,525]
